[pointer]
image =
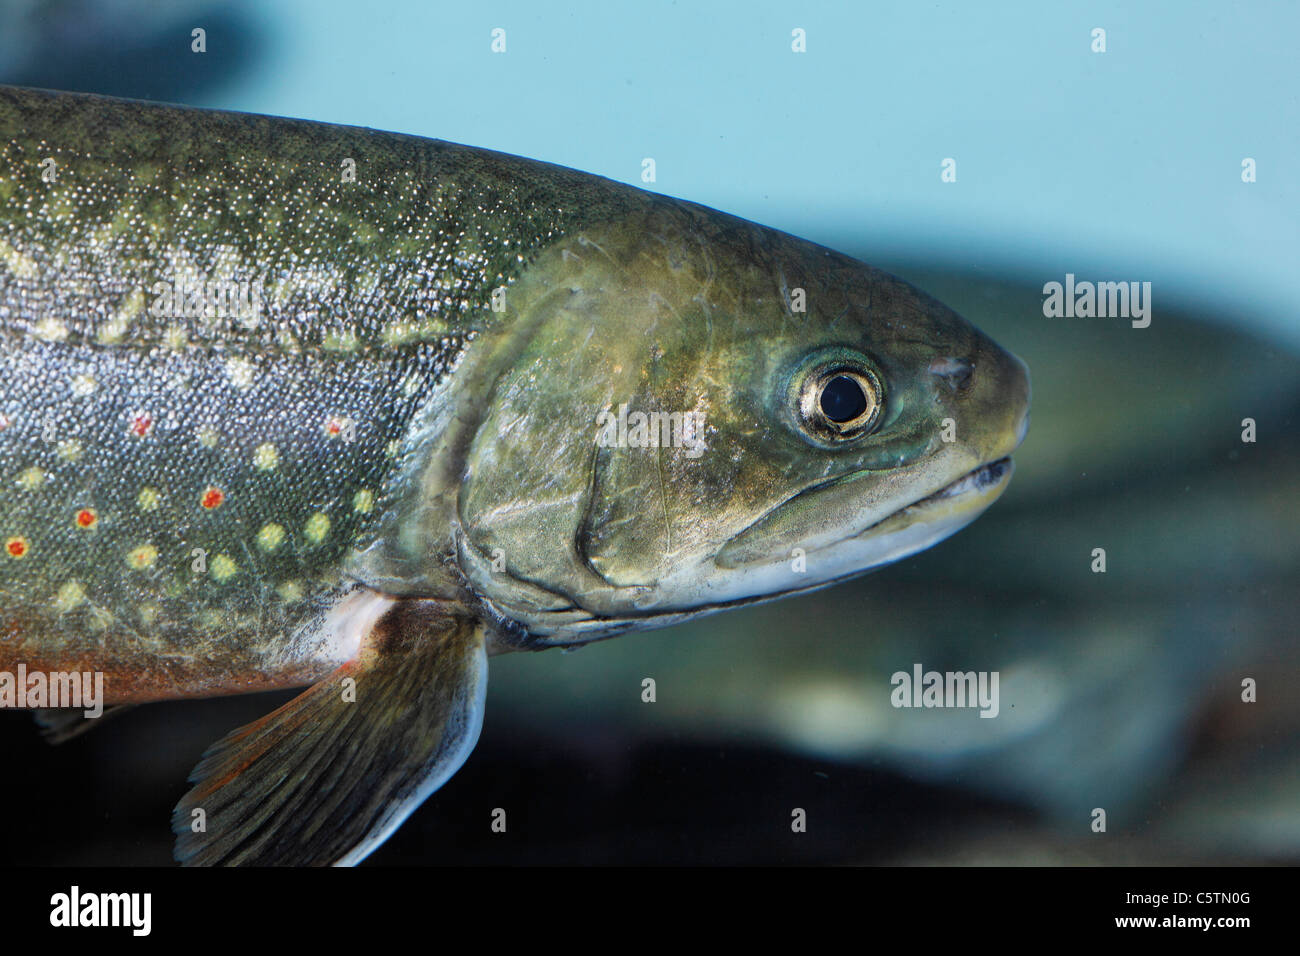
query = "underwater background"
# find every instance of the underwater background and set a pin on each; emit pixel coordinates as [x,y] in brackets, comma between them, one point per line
[1119,690]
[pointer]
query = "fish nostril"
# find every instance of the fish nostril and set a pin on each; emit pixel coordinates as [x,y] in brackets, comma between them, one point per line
[957,373]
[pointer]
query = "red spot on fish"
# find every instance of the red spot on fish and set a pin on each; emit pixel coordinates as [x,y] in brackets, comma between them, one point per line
[4,422]
[334,427]
[213,498]
[16,547]
[141,424]
[87,518]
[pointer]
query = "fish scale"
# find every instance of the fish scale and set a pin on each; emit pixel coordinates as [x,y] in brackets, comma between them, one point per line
[290,404]
[148,490]
[371,290]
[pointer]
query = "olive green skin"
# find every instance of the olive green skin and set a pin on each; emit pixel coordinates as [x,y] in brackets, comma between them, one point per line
[470,417]
[373,288]
[679,307]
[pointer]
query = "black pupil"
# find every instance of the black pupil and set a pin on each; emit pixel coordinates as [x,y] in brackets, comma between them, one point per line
[842,399]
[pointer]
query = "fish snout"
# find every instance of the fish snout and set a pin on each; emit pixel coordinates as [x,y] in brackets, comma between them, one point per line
[988,389]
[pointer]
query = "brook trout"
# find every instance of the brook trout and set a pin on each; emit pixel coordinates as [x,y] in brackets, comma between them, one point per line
[288,404]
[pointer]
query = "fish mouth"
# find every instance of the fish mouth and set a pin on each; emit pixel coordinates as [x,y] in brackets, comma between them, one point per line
[973,491]
[976,480]
[848,546]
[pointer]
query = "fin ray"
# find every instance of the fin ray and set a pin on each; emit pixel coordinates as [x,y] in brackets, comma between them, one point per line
[322,780]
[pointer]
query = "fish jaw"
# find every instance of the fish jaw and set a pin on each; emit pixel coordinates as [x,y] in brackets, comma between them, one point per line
[910,530]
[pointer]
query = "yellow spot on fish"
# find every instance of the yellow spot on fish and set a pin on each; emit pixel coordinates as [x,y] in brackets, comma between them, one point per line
[240,373]
[101,618]
[148,614]
[131,306]
[335,342]
[223,569]
[318,525]
[290,591]
[175,338]
[392,448]
[270,537]
[208,436]
[83,385]
[115,329]
[20,265]
[51,330]
[32,478]
[113,332]
[70,450]
[363,501]
[266,457]
[148,499]
[142,557]
[70,596]
[399,333]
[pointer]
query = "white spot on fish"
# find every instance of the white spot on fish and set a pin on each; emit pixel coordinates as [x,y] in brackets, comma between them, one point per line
[241,373]
[51,330]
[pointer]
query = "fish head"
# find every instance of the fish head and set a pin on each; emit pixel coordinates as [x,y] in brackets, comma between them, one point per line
[709,413]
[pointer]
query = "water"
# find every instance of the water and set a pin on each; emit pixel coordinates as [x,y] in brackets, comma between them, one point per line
[1119,690]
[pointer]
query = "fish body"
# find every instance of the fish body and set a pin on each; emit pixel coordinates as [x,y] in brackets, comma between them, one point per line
[288,404]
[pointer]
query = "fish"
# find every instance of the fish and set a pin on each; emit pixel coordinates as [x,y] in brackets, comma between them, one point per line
[287,404]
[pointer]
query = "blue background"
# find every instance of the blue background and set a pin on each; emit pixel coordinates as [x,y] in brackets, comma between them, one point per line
[1117,166]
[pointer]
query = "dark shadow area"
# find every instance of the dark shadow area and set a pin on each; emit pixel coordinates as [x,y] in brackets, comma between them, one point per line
[105,799]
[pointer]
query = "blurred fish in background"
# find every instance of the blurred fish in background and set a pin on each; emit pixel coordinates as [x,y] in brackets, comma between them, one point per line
[132,48]
[1120,690]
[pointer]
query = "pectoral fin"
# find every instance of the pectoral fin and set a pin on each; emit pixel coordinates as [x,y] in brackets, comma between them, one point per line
[331,774]
[59,725]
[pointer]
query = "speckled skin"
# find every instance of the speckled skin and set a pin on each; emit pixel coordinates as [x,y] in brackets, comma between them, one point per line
[179,494]
[186,502]
[284,403]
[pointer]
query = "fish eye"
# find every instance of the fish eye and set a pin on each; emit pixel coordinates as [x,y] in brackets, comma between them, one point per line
[839,401]
[843,399]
